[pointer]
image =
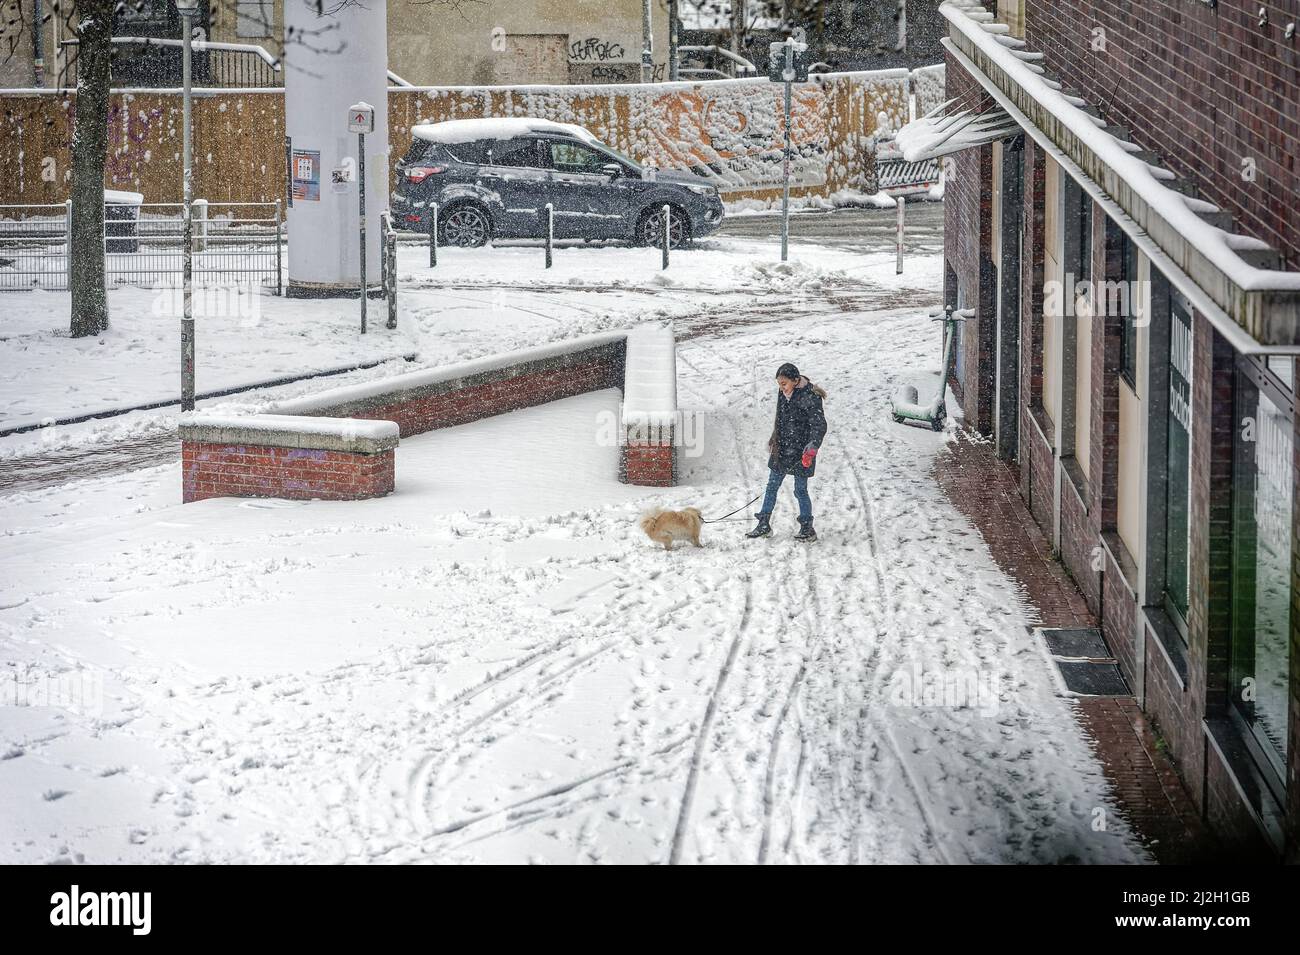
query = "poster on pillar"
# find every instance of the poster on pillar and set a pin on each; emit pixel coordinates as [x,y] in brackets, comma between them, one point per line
[306,175]
[322,81]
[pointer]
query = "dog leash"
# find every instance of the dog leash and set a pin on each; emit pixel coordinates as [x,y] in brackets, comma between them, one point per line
[717,520]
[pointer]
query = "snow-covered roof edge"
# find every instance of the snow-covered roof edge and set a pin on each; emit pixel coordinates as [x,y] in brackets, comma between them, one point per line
[1212,243]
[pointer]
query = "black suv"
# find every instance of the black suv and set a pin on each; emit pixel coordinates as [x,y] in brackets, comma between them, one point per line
[492,178]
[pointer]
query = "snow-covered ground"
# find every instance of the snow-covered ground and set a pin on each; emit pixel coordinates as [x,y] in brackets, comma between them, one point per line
[494,665]
[476,302]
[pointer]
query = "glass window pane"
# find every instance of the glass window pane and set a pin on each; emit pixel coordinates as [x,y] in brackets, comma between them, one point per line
[1262,565]
[522,152]
[571,157]
[1180,443]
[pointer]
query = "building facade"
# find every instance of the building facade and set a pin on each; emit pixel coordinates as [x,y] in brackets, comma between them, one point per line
[1128,257]
[430,42]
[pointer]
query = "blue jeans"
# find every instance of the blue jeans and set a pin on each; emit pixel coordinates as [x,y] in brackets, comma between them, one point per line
[774,480]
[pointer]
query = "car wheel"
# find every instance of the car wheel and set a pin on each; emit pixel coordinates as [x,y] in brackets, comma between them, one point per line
[651,231]
[465,226]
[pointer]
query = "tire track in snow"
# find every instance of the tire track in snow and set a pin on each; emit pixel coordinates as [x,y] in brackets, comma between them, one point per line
[888,628]
[692,778]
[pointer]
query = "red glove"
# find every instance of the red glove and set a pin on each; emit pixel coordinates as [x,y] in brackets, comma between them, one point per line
[808,454]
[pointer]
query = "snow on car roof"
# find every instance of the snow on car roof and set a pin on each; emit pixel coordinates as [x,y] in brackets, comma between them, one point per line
[469,130]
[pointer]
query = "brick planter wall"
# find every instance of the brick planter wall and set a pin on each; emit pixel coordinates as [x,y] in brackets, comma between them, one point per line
[327,446]
[649,464]
[649,452]
[285,457]
[239,470]
[443,398]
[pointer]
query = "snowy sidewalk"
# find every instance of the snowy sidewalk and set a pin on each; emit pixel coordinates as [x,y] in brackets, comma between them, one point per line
[1146,784]
[494,665]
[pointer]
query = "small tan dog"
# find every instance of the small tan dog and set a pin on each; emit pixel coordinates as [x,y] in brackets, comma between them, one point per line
[665,527]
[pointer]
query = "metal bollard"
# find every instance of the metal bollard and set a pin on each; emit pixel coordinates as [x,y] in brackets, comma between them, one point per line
[668,232]
[390,243]
[550,231]
[902,209]
[433,237]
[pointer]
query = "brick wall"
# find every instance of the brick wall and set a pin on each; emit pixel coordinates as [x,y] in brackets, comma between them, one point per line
[1103,417]
[649,464]
[1177,715]
[1238,94]
[417,403]
[500,392]
[1039,479]
[239,470]
[1119,609]
[1078,539]
[968,219]
[1031,307]
[1210,604]
[1226,814]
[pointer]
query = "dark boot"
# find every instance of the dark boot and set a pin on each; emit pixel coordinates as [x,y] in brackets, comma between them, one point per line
[806,532]
[763,528]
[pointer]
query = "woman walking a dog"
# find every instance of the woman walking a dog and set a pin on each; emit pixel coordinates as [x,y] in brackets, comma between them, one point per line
[792,449]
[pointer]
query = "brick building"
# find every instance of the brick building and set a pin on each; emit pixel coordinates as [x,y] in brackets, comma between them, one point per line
[1130,254]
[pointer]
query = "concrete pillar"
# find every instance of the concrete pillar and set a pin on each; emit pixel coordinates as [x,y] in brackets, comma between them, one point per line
[335,54]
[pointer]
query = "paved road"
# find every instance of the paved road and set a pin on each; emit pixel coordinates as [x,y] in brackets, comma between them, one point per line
[867,229]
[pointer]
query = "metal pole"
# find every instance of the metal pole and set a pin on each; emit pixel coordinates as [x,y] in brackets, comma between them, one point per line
[187,252]
[647,45]
[361,176]
[668,232]
[279,251]
[674,55]
[902,209]
[67,235]
[785,175]
[737,29]
[433,237]
[390,247]
[550,231]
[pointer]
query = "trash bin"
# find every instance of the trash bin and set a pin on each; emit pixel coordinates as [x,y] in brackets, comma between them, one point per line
[121,218]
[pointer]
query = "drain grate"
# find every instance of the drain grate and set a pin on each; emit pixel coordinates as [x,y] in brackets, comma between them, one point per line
[1077,644]
[1093,679]
[1085,665]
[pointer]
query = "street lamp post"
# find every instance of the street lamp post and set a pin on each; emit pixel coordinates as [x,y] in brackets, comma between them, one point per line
[187,9]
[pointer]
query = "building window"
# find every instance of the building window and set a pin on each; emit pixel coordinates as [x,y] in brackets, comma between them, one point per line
[1261,558]
[1178,460]
[1129,296]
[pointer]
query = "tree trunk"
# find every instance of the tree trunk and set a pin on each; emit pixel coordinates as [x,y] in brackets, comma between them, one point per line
[89,153]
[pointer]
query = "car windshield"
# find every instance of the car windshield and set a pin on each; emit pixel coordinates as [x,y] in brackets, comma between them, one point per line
[621,158]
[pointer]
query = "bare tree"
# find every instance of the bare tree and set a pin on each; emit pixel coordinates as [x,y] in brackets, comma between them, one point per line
[90,23]
[94,32]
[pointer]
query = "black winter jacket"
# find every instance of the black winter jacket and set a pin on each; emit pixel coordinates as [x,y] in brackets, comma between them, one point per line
[799,423]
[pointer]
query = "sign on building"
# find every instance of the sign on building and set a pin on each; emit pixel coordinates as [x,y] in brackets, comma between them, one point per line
[305,168]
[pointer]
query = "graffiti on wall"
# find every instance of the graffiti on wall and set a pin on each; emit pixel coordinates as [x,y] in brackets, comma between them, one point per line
[593,49]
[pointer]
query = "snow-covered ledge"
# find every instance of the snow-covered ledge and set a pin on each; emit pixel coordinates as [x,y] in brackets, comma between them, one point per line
[649,415]
[286,456]
[1265,303]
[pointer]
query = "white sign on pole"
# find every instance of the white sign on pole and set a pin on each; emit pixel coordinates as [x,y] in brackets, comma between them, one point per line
[361,118]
